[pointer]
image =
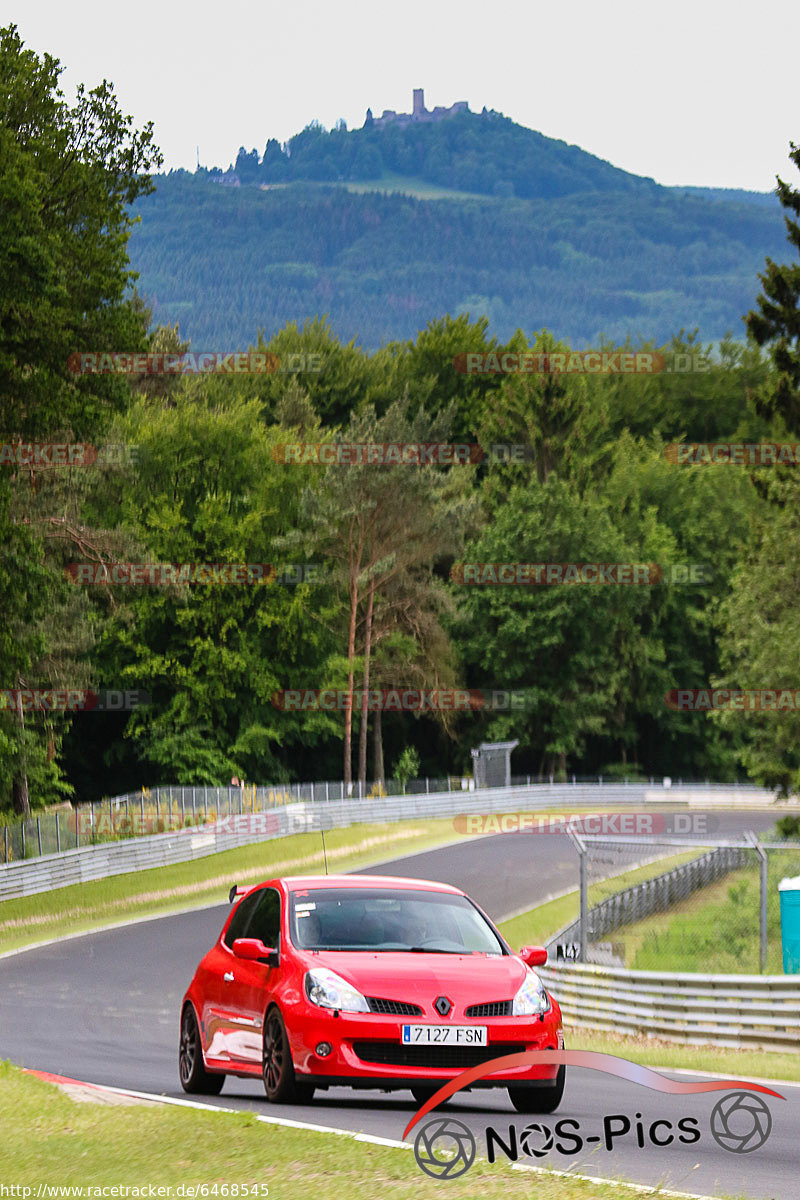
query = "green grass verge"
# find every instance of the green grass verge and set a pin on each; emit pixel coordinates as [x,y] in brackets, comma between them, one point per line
[86,906]
[48,1138]
[715,930]
[650,1052]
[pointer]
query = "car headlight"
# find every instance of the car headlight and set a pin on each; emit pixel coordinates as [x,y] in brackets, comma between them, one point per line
[531,999]
[327,989]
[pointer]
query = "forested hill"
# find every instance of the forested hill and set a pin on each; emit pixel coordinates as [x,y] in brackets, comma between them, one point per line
[472,214]
[483,153]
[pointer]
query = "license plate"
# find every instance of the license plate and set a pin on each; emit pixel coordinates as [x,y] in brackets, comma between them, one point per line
[444,1035]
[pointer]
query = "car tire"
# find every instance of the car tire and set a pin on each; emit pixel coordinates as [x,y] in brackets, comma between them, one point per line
[539,1100]
[423,1094]
[280,1082]
[194,1077]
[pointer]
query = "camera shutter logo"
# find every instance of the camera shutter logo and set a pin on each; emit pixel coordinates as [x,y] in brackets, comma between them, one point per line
[444,1148]
[534,1133]
[740,1122]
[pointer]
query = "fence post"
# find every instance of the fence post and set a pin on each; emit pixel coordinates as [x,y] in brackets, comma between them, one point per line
[580,846]
[427,784]
[22,828]
[5,843]
[762,940]
[327,790]
[58,835]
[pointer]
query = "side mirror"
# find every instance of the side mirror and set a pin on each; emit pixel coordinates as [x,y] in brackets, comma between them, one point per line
[534,956]
[254,950]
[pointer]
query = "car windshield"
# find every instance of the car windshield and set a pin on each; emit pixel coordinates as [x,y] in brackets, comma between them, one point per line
[414,921]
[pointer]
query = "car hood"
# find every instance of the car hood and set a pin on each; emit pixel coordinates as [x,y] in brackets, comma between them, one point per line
[403,975]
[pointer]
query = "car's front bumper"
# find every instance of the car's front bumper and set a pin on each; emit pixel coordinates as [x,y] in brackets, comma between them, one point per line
[358,1039]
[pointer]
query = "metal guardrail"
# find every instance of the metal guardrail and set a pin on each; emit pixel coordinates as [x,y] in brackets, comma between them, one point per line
[166,809]
[743,1011]
[72,866]
[654,895]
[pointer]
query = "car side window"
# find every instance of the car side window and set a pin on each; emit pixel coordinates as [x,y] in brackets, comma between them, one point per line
[241,919]
[265,922]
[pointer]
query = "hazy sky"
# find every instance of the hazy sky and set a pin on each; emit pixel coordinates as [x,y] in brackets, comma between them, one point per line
[699,93]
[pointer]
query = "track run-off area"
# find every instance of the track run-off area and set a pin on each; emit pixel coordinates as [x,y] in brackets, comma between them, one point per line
[104,1008]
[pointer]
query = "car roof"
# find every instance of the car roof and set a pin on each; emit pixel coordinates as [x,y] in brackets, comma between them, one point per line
[303,882]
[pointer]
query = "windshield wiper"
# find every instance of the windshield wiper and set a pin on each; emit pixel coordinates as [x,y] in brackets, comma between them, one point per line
[433,950]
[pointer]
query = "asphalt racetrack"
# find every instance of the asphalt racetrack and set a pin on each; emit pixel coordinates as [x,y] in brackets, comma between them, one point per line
[104,1008]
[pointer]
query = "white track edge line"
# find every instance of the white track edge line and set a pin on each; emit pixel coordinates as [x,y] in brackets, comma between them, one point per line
[288,1122]
[373,1139]
[645,1188]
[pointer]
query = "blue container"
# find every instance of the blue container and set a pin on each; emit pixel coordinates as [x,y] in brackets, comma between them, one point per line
[789,892]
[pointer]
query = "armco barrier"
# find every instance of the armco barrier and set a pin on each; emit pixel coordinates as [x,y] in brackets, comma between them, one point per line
[138,854]
[743,1011]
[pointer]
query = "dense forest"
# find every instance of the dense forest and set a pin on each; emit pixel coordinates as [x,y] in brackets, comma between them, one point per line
[205,478]
[224,262]
[471,214]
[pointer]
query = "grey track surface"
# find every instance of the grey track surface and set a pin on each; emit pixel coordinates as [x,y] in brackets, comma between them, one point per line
[104,1008]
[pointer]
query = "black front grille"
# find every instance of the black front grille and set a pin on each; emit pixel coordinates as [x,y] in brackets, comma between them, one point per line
[458,1058]
[395,1008]
[493,1008]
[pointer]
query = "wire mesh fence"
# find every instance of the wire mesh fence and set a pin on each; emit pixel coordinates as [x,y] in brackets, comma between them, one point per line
[670,905]
[166,809]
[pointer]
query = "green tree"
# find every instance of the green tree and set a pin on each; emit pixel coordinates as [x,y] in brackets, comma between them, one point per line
[67,177]
[377,522]
[776,319]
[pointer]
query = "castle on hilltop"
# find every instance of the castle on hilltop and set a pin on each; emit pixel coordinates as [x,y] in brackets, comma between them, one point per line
[419,113]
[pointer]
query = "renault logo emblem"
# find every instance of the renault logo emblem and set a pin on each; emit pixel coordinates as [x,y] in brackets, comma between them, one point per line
[442,1005]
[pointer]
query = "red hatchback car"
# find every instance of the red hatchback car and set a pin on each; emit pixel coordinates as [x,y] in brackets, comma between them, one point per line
[365,981]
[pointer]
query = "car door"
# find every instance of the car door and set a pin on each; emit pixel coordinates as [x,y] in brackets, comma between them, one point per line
[246,984]
[218,1018]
